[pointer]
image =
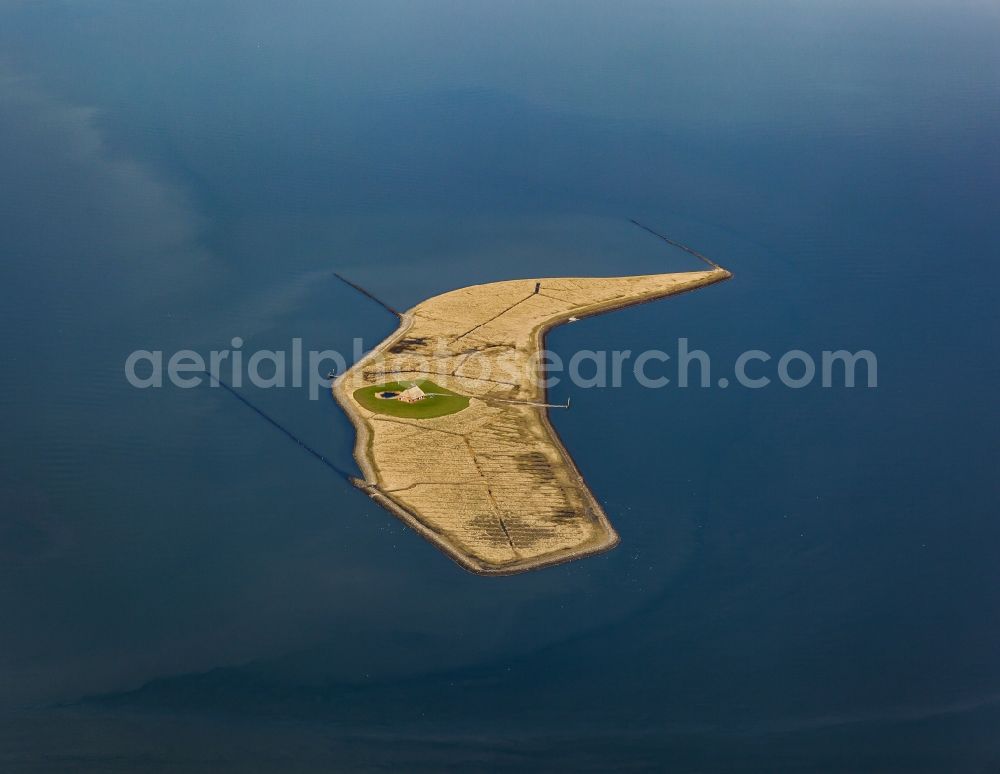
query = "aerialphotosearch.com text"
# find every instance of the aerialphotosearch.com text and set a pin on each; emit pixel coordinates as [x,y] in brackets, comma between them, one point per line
[683,366]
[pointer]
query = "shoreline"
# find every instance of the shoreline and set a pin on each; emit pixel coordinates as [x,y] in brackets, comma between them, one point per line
[363,455]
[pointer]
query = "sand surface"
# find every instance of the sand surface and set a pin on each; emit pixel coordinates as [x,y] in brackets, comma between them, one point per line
[491,485]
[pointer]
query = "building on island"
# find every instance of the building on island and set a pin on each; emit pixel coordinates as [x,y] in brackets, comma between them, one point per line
[411,394]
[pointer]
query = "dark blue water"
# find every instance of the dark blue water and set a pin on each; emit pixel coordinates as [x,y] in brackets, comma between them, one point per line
[807,578]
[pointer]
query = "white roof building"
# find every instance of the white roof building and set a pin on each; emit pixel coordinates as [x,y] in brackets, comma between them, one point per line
[411,394]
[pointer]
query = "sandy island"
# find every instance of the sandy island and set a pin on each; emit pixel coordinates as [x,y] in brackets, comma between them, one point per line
[489,483]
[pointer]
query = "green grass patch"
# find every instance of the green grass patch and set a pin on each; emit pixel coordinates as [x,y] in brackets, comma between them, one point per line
[441,403]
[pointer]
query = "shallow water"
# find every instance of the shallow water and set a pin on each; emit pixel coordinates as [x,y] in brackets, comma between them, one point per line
[807,578]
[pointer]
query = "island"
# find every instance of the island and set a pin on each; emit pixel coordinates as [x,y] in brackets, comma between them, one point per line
[453,432]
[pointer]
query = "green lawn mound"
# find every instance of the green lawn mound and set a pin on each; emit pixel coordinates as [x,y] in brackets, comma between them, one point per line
[439,401]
